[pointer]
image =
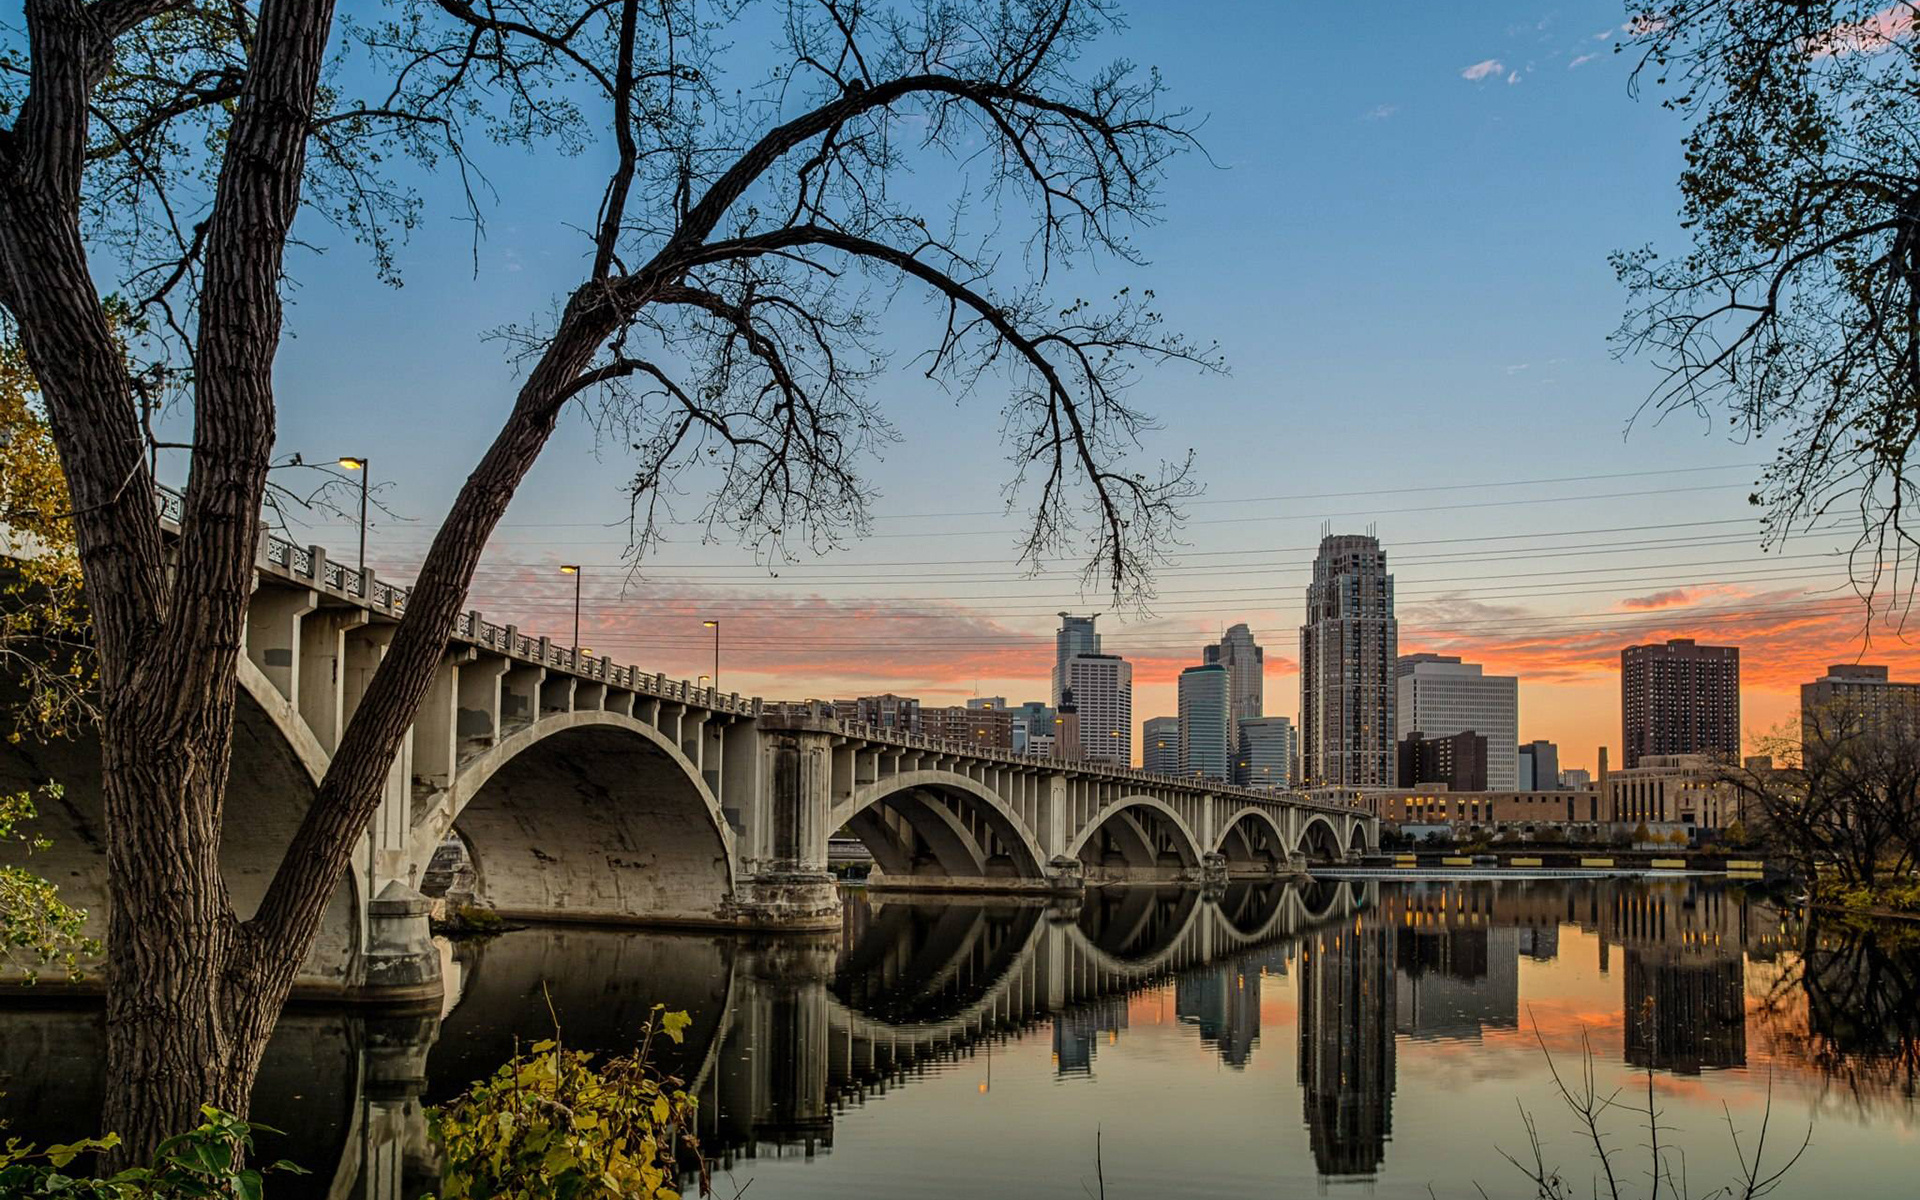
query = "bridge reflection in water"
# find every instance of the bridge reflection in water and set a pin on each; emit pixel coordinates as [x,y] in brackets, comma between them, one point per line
[789,1031]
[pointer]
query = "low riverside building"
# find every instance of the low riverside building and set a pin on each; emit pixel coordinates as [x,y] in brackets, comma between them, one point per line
[1436,804]
[1673,789]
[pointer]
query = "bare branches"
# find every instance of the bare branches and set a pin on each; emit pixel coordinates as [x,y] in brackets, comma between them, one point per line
[1797,311]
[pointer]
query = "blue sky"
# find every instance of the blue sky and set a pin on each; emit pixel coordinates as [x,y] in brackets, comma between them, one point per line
[1402,249]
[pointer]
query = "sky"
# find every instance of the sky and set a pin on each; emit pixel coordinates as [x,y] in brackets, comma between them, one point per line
[1399,237]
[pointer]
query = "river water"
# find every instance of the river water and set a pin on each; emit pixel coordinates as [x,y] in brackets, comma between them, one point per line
[1345,1038]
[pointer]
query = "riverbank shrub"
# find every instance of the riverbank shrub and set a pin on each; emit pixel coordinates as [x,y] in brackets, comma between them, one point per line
[550,1125]
[208,1162]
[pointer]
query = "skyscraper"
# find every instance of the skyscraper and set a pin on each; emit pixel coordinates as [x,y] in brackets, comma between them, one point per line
[1247,664]
[1441,696]
[1680,698]
[1076,636]
[1160,745]
[1102,686]
[1268,748]
[1206,723]
[1348,650]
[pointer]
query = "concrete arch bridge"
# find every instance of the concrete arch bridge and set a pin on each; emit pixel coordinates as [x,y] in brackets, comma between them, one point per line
[586,790]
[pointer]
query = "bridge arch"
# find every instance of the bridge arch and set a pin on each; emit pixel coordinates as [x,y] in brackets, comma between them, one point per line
[1251,836]
[596,815]
[1357,837]
[905,822]
[1321,840]
[1164,839]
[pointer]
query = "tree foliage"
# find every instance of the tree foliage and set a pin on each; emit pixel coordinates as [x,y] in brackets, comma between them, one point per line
[207,1162]
[1797,308]
[553,1126]
[44,650]
[37,928]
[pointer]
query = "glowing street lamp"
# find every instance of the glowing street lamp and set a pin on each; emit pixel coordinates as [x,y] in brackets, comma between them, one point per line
[350,462]
[573,569]
[715,626]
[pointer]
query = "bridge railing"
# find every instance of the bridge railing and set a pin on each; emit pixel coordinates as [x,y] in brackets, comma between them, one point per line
[310,564]
[821,714]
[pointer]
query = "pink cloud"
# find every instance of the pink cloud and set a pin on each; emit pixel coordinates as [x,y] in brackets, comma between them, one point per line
[1481,70]
[1878,32]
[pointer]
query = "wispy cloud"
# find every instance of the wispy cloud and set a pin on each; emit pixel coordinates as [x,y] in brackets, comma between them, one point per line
[1380,112]
[1513,77]
[1581,60]
[1666,599]
[1482,70]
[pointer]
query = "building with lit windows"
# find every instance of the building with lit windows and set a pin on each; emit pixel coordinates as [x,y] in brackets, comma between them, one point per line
[1440,696]
[1680,698]
[1349,649]
[1267,752]
[1206,721]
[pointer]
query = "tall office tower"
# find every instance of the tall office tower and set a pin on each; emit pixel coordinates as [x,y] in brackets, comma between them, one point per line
[1440,696]
[1247,662]
[1266,753]
[1160,745]
[1348,652]
[1680,698]
[1102,687]
[1076,636]
[1206,721]
[1539,767]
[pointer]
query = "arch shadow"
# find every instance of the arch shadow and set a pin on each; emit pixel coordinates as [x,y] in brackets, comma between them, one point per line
[1320,841]
[1137,832]
[937,824]
[273,774]
[593,816]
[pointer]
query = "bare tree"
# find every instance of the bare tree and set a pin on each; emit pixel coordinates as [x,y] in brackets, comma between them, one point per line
[1797,309]
[1842,793]
[745,239]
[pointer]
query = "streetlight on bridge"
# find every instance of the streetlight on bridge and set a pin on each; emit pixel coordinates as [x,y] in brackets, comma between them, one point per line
[573,569]
[352,462]
[715,626]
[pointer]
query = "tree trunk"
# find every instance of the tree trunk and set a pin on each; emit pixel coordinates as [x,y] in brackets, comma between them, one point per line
[170,1047]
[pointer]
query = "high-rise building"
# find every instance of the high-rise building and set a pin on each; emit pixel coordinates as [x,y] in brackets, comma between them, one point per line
[1349,648]
[1440,696]
[1206,722]
[1102,686]
[1849,697]
[1680,698]
[1539,767]
[1075,637]
[1247,664]
[1160,745]
[989,703]
[1268,747]
[1458,760]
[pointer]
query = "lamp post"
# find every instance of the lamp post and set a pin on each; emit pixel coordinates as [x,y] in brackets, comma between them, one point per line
[349,462]
[715,626]
[573,569]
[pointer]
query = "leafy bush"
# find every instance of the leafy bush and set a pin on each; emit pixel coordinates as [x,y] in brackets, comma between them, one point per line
[551,1126]
[206,1162]
[36,926]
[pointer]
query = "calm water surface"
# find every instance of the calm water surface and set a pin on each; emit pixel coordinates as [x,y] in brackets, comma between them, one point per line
[1272,1041]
